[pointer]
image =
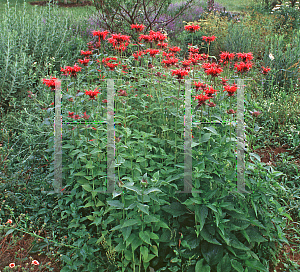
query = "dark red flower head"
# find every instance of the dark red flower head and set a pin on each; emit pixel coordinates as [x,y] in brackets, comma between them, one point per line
[174,49]
[157,36]
[72,71]
[245,57]
[209,39]
[138,28]
[50,82]
[86,53]
[100,34]
[225,57]
[85,61]
[92,94]
[146,38]
[201,99]
[230,89]
[192,28]
[243,67]
[180,73]
[265,70]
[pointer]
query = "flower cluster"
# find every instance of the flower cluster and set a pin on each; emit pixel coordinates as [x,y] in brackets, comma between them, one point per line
[209,39]
[50,82]
[138,28]
[92,94]
[212,69]
[180,73]
[72,71]
[192,28]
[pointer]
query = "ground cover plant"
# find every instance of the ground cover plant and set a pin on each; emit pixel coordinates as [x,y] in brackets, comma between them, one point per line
[145,225]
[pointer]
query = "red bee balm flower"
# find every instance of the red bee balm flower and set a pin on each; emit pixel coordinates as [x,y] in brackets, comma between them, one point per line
[230,89]
[245,56]
[201,99]
[180,73]
[212,69]
[111,66]
[84,62]
[210,91]
[100,34]
[50,82]
[226,57]
[71,70]
[243,67]
[86,53]
[71,114]
[85,116]
[146,38]
[138,28]
[199,85]
[192,28]
[157,36]
[174,49]
[92,94]
[209,39]
[265,70]
[152,52]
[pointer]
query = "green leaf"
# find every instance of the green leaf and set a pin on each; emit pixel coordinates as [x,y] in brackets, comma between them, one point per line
[150,257]
[205,138]
[201,214]
[143,208]
[87,187]
[212,253]
[224,265]
[126,232]
[206,236]
[136,243]
[175,208]
[115,203]
[81,155]
[150,219]
[256,265]
[100,203]
[200,267]
[237,266]
[144,252]
[151,190]
[144,235]
[212,129]
[128,255]
[234,242]
[154,249]
[130,222]
[9,232]
[254,235]
[153,236]
[133,188]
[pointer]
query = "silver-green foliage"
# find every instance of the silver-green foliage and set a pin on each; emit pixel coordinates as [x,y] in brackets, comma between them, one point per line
[33,36]
[284,60]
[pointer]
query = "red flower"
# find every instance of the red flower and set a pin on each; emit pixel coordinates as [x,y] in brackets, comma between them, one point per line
[138,54]
[146,38]
[152,52]
[212,69]
[192,28]
[107,59]
[157,36]
[121,48]
[120,38]
[162,45]
[209,39]
[193,50]
[199,85]
[71,70]
[245,56]
[86,53]
[230,89]
[50,82]
[122,93]
[9,221]
[71,114]
[224,81]
[111,66]
[100,34]
[85,116]
[12,265]
[255,113]
[92,94]
[76,117]
[231,111]
[265,70]
[210,91]
[201,99]
[175,49]
[243,67]
[186,63]
[84,62]
[138,28]
[168,55]
[90,45]
[170,62]
[211,104]
[180,73]
[104,101]
[226,57]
